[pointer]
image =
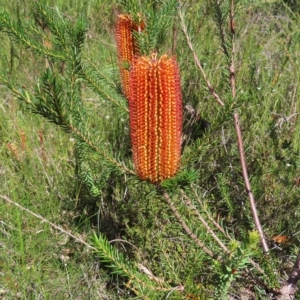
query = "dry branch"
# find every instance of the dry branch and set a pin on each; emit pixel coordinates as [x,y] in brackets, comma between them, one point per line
[247,184]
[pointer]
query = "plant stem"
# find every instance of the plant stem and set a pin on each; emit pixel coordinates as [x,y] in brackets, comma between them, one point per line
[232,67]
[247,183]
[185,226]
[189,204]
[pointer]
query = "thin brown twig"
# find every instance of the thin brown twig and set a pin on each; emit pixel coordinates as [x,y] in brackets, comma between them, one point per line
[189,203]
[248,186]
[65,232]
[196,59]
[233,92]
[185,226]
[47,222]
[232,67]
[216,224]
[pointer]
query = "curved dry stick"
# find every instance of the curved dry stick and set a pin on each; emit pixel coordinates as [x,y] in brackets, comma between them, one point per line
[247,184]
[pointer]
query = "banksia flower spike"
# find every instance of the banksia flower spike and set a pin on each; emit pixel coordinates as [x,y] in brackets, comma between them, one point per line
[127,47]
[155,108]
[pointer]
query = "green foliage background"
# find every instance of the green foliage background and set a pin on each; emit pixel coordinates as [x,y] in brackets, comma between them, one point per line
[84,180]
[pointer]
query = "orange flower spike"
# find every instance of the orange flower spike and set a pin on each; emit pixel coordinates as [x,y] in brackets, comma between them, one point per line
[126,46]
[155,107]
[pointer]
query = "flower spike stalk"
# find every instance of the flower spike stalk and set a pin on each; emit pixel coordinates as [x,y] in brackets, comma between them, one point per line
[155,108]
[127,47]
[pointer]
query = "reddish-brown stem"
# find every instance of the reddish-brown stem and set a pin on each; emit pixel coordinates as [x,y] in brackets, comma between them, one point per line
[247,184]
[232,24]
[232,67]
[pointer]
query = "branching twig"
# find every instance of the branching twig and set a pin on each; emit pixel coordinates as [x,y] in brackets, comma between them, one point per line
[247,183]
[189,203]
[185,226]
